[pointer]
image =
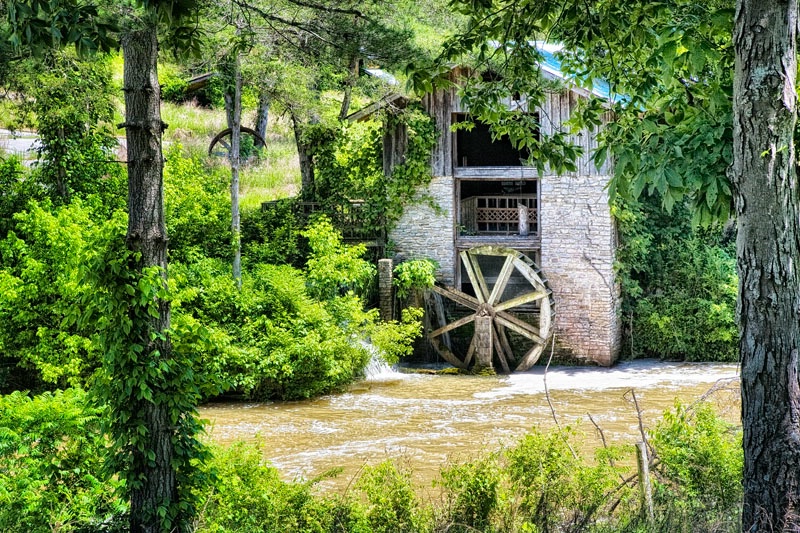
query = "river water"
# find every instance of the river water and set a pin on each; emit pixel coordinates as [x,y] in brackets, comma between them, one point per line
[427,420]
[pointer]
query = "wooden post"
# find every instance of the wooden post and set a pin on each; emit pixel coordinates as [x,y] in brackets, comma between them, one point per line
[483,341]
[523,219]
[386,303]
[644,479]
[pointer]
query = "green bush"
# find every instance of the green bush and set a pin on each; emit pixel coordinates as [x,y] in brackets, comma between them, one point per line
[272,235]
[392,505]
[40,289]
[555,489]
[415,274]
[197,208]
[51,471]
[473,495]
[679,285]
[333,268]
[700,465]
[250,497]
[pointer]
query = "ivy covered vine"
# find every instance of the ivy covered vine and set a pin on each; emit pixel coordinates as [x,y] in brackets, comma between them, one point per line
[120,307]
[349,166]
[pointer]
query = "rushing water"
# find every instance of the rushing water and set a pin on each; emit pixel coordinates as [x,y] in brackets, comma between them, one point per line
[427,420]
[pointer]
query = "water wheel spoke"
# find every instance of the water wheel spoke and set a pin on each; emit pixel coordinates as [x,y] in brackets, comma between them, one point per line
[502,280]
[470,353]
[501,355]
[447,354]
[530,358]
[520,300]
[475,276]
[501,334]
[458,297]
[225,145]
[520,326]
[452,325]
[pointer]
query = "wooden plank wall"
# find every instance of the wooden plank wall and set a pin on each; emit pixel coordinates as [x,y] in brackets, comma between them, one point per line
[554,112]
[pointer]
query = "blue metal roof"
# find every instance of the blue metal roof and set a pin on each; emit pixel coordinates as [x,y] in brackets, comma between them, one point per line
[551,64]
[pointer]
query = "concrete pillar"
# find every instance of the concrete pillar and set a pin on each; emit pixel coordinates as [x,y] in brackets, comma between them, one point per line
[385,289]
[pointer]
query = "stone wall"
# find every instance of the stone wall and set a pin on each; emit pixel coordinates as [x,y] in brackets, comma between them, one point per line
[577,256]
[427,232]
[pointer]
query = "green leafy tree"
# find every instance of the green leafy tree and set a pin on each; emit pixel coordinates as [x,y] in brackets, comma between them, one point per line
[149,392]
[68,101]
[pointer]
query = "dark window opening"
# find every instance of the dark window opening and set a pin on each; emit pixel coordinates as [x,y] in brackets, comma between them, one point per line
[475,147]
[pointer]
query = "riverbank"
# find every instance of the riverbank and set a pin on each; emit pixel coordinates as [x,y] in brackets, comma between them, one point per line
[427,420]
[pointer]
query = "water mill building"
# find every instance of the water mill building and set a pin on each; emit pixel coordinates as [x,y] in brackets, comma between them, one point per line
[504,235]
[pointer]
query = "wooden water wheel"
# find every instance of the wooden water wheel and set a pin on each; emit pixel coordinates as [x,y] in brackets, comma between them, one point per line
[220,145]
[495,314]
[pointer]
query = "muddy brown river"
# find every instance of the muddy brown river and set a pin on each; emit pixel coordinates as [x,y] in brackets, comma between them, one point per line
[427,420]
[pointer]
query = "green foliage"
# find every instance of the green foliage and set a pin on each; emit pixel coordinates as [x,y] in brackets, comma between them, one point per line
[473,494]
[15,191]
[272,235]
[416,274]
[395,339]
[70,104]
[677,281]
[272,338]
[51,475]
[554,488]
[700,458]
[40,289]
[137,379]
[197,207]
[332,267]
[173,84]
[392,505]
[349,166]
[251,498]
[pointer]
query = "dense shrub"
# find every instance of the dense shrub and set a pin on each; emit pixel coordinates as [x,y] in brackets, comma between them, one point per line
[40,289]
[272,235]
[197,207]
[679,285]
[51,472]
[700,467]
[69,103]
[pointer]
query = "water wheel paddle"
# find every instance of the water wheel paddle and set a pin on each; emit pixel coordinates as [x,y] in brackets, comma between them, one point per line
[220,145]
[495,312]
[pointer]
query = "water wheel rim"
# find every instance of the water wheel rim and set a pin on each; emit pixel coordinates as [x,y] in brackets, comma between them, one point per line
[489,301]
[219,138]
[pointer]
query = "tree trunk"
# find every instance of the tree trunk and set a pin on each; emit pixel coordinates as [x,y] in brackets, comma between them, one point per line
[352,78]
[235,160]
[262,119]
[147,235]
[768,244]
[306,161]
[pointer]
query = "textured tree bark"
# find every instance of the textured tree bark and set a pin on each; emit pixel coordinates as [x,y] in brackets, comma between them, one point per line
[235,160]
[262,118]
[147,234]
[768,243]
[352,78]
[306,161]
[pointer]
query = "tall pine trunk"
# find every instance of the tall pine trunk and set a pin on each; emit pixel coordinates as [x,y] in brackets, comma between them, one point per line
[155,477]
[768,244]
